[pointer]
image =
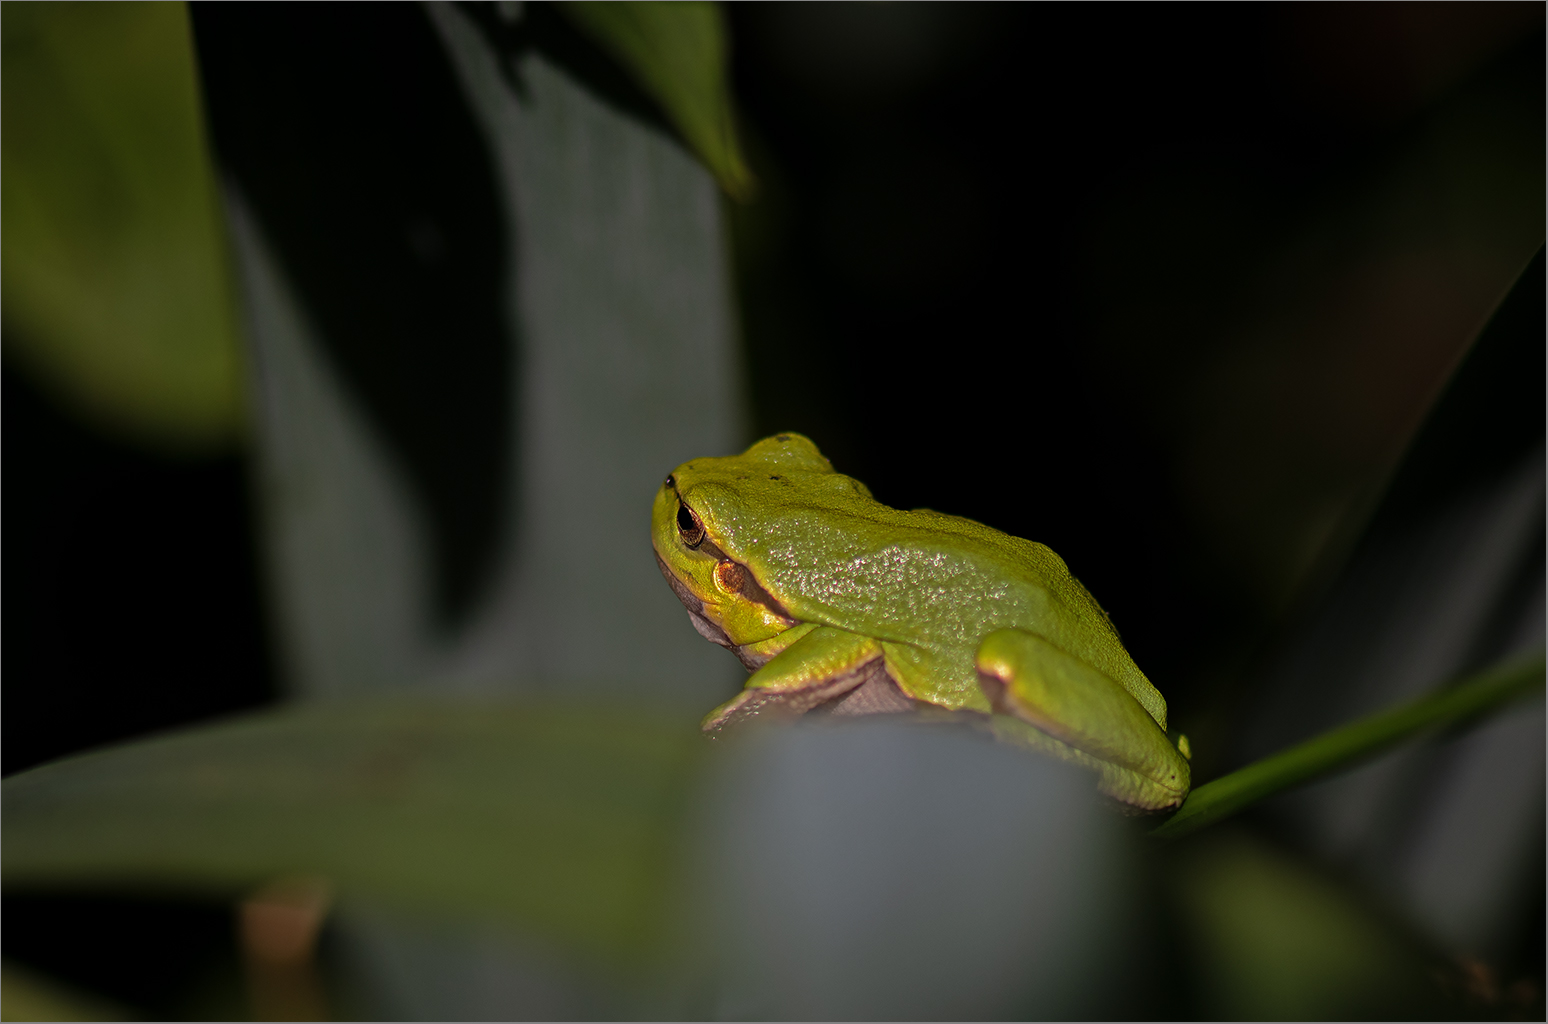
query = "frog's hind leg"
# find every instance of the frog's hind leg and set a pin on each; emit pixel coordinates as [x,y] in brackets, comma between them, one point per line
[824,666]
[1029,678]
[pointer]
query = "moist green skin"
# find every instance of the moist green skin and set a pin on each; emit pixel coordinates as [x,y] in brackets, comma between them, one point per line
[784,554]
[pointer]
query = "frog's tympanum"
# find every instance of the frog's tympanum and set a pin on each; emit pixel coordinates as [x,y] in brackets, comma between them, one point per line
[836,602]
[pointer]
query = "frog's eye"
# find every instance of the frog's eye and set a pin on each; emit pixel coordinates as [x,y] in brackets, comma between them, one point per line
[688,527]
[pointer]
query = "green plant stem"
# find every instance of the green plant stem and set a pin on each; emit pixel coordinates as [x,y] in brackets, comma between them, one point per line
[1346,744]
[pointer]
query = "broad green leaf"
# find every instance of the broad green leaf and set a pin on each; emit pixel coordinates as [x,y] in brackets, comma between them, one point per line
[677,53]
[1348,744]
[116,285]
[560,819]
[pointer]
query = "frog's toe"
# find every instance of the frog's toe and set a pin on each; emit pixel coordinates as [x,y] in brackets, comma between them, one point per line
[868,691]
[748,706]
[756,703]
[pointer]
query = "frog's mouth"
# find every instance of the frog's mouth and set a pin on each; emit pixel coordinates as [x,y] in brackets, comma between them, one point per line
[701,622]
[695,605]
[866,689]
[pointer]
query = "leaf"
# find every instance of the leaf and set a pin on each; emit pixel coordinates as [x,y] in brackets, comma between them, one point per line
[559,818]
[1338,748]
[117,291]
[1483,425]
[1485,420]
[677,53]
[1488,418]
[1271,939]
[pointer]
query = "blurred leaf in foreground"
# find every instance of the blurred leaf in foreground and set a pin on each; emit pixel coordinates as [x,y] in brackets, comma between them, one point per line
[677,52]
[28,996]
[877,868]
[866,869]
[117,291]
[558,819]
[1277,941]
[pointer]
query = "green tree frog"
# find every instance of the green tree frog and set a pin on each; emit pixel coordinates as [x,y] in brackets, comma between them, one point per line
[836,602]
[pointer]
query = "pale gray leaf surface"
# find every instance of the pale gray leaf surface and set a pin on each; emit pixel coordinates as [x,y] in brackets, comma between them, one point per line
[619,308]
[868,869]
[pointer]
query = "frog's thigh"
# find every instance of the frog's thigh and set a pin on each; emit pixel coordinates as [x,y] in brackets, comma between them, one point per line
[1026,676]
[824,664]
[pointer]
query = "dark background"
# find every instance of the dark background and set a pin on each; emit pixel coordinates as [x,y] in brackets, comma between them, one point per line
[1018,262]
[1013,262]
[977,273]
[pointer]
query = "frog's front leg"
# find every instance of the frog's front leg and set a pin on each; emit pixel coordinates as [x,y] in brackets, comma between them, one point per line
[824,665]
[1026,676]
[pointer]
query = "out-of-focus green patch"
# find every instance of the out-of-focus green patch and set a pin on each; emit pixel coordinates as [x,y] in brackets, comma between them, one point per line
[1353,742]
[28,996]
[117,291]
[560,819]
[1274,940]
[677,53]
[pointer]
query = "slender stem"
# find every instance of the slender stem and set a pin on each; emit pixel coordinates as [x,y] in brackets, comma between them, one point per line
[1346,744]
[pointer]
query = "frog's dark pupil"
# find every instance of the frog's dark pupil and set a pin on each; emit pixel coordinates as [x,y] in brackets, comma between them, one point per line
[685,521]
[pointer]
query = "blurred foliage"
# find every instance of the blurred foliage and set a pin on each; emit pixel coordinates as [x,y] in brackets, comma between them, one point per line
[1275,940]
[1285,407]
[157,955]
[560,817]
[25,995]
[1348,744]
[677,51]
[1313,303]
[569,822]
[118,295]
[1195,273]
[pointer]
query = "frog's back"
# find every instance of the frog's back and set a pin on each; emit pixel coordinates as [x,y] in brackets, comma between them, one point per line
[929,586]
[1024,583]
[940,584]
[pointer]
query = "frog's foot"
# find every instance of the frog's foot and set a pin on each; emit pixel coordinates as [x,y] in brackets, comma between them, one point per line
[878,695]
[1027,677]
[847,694]
[829,669]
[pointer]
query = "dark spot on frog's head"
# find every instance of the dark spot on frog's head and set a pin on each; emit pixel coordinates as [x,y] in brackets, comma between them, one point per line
[773,476]
[781,438]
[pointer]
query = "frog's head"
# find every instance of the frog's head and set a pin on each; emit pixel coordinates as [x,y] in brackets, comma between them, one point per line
[705,515]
